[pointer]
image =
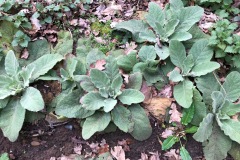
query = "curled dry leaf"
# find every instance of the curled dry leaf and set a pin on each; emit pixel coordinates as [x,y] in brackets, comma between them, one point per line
[172,155]
[157,107]
[167,132]
[125,143]
[147,91]
[99,64]
[166,91]
[25,54]
[78,149]
[175,115]
[130,47]
[118,153]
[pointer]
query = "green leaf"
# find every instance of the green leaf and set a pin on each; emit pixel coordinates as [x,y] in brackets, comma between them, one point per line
[70,107]
[111,68]
[183,93]
[11,64]
[230,108]
[95,123]
[188,16]
[135,81]
[142,129]
[234,151]
[175,76]
[109,104]
[204,68]
[3,102]
[32,100]
[188,114]
[205,128]
[218,145]
[5,93]
[127,62]
[231,90]
[99,78]
[36,49]
[188,64]
[130,96]
[176,5]
[4,156]
[93,101]
[139,29]
[177,53]
[26,75]
[169,142]
[11,119]
[151,74]
[200,109]
[154,15]
[117,83]
[43,64]
[93,56]
[201,52]
[170,27]
[180,36]
[191,130]
[184,154]
[162,52]
[230,128]
[86,83]
[207,84]
[65,43]
[121,117]
[218,100]
[147,53]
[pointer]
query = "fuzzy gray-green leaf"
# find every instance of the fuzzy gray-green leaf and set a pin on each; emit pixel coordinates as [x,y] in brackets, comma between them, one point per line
[130,96]
[147,53]
[43,64]
[93,101]
[183,93]
[218,145]
[11,64]
[11,119]
[204,68]
[231,128]
[32,100]
[122,118]
[154,15]
[205,128]
[99,78]
[142,129]
[188,16]
[177,53]
[95,123]
[231,90]
[70,107]
[201,51]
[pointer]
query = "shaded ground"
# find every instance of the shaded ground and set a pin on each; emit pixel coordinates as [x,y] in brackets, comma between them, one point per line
[40,142]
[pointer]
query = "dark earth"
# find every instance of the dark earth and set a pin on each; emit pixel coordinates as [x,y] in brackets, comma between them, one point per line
[57,141]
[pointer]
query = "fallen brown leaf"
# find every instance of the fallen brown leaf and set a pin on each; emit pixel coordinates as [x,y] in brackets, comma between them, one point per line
[157,106]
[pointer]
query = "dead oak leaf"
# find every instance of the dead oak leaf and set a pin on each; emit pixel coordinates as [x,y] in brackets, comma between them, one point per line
[175,115]
[118,153]
[172,155]
[157,106]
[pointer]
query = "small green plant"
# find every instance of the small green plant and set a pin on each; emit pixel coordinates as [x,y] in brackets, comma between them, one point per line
[218,130]
[4,156]
[172,23]
[20,39]
[107,104]
[196,63]
[16,95]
